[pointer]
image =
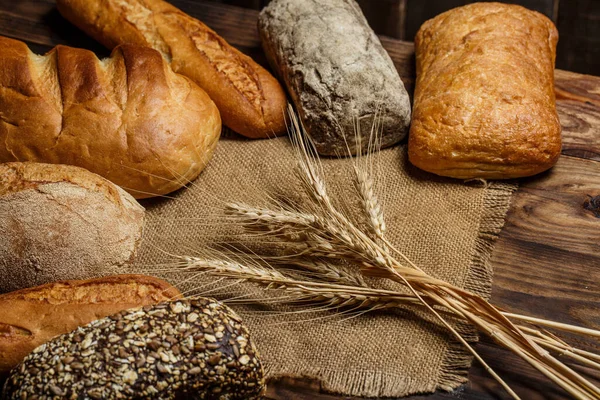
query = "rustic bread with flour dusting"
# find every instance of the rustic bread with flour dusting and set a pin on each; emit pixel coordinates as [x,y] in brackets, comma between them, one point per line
[484,104]
[31,317]
[249,98]
[128,118]
[337,73]
[63,222]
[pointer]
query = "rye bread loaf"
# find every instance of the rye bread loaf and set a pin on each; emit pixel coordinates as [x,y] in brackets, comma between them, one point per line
[62,222]
[197,349]
[484,104]
[31,317]
[251,101]
[128,118]
[336,72]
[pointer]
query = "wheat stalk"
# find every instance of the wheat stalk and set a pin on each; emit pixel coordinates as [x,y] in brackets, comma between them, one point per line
[323,231]
[364,297]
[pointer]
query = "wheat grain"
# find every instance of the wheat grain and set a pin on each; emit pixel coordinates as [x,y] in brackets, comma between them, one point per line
[323,231]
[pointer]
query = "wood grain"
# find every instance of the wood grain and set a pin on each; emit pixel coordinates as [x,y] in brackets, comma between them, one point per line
[547,259]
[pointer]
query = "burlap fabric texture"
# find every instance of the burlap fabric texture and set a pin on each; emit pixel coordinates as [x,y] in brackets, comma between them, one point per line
[446,227]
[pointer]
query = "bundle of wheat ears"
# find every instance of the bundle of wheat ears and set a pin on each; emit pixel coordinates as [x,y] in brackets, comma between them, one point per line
[319,236]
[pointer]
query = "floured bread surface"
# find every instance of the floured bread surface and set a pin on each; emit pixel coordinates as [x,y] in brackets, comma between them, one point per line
[62,222]
[337,73]
[484,104]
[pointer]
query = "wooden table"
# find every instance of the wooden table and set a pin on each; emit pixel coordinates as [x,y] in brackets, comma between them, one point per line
[547,259]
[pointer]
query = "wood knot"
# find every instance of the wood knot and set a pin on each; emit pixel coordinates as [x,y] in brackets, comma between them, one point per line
[593,204]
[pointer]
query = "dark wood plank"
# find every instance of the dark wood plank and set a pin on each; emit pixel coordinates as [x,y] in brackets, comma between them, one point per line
[579,43]
[386,17]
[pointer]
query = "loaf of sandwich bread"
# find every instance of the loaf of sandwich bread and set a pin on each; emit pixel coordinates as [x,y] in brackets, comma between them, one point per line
[128,118]
[31,317]
[484,104]
[251,101]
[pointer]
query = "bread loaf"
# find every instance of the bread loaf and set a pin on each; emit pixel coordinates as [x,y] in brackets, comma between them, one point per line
[336,72]
[31,317]
[484,103]
[128,118]
[250,100]
[63,222]
[195,349]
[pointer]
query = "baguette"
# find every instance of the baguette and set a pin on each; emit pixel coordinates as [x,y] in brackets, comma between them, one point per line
[249,98]
[484,104]
[31,317]
[128,118]
[63,222]
[196,349]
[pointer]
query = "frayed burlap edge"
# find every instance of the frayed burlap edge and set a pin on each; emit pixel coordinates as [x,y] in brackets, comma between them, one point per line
[457,361]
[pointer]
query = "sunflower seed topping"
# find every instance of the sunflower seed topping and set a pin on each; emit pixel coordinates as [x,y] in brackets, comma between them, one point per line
[189,348]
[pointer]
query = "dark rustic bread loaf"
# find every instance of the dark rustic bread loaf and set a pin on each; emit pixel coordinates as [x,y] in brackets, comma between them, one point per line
[484,103]
[31,317]
[196,349]
[249,98]
[336,71]
[128,118]
[63,222]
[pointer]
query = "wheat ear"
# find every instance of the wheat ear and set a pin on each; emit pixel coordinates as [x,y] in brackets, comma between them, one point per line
[361,297]
[489,320]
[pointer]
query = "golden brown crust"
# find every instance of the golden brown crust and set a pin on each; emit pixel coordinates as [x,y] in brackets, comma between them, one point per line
[63,222]
[30,317]
[484,103]
[19,176]
[128,118]
[250,99]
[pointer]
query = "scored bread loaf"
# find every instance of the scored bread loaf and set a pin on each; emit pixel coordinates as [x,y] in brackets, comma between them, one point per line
[31,317]
[183,349]
[484,104]
[128,118]
[63,222]
[249,98]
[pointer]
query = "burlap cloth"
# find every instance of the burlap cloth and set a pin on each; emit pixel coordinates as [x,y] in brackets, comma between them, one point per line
[445,226]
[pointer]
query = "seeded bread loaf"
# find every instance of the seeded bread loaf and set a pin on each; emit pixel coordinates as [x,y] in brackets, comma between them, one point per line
[196,349]
[31,317]
[128,118]
[249,98]
[484,103]
[337,73]
[62,222]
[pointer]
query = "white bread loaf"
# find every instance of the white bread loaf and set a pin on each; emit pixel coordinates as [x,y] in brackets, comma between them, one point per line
[128,118]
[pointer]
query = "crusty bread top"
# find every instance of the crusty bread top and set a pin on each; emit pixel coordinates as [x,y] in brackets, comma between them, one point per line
[128,118]
[30,317]
[251,101]
[116,289]
[484,102]
[18,176]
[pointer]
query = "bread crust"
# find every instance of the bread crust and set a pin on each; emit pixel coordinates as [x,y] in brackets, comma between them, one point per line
[251,101]
[484,104]
[63,222]
[128,118]
[31,317]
